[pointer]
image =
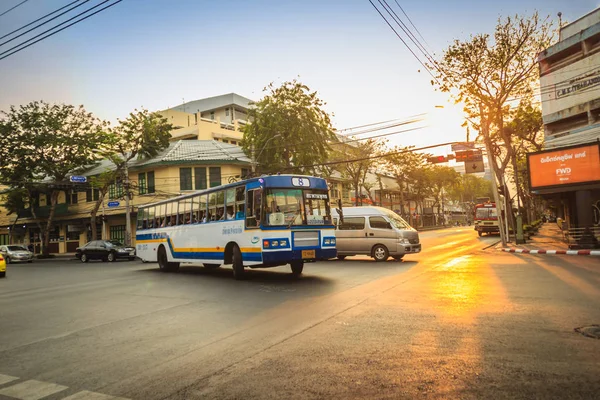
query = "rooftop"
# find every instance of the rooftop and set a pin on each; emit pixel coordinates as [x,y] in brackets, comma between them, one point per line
[213,103]
[184,152]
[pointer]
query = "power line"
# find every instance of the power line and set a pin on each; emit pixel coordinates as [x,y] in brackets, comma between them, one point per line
[12,8]
[372,157]
[39,19]
[37,26]
[405,44]
[409,20]
[71,24]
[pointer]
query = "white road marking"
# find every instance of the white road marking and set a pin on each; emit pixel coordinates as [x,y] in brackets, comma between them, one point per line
[32,390]
[7,378]
[87,395]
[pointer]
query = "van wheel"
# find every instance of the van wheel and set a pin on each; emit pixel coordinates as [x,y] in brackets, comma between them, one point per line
[238,263]
[341,257]
[297,267]
[380,253]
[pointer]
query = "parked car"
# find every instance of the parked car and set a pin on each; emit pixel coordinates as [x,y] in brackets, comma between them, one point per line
[14,252]
[105,250]
[376,232]
[2,266]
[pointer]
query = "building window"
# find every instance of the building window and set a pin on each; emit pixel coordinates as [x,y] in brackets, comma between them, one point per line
[117,232]
[115,190]
[227,112]
[212,115]
[225,141]
[215,176]
[71,197]
[233,142]
[245,173]
[92,195]
[185,179]
[142,183]
[200,178]
[150,179]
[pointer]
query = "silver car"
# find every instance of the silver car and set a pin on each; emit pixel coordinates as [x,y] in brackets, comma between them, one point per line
[13,253]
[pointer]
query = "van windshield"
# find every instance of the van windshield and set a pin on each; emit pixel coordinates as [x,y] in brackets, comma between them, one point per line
[397,221]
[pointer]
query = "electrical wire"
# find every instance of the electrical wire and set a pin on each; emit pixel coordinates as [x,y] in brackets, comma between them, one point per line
[403,41]
[63,28]
[39,19]
[409,20]
[12,8]
[37,26]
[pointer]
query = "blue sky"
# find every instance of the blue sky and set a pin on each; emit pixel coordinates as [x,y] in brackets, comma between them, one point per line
[154,53]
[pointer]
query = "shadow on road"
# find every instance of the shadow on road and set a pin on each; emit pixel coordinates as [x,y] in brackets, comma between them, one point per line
[279,275]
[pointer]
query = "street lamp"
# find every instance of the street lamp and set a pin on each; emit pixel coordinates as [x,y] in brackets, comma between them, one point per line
[254,162]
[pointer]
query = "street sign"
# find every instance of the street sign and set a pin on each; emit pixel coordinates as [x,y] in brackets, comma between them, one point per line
[473,167]
[462,146]
[78,179]
[113,204]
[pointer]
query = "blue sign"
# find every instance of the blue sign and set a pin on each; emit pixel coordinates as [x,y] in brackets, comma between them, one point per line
[113,204]
[78,179]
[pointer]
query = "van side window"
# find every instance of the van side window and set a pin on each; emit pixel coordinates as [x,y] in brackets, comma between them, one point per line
[353,224]
[379,223]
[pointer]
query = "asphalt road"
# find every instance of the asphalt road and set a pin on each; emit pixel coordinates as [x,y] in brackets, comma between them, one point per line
[455,321]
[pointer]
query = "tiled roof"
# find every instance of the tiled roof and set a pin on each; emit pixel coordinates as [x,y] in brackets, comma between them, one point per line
[184,151]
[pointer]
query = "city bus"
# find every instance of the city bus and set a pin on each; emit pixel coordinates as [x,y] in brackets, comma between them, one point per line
[260,222]
[486,218]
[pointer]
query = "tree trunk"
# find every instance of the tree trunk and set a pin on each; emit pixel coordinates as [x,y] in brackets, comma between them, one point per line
[12,229]
[46,241]
[93,215]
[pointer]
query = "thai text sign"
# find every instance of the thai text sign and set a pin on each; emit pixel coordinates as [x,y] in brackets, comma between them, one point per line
[567,166]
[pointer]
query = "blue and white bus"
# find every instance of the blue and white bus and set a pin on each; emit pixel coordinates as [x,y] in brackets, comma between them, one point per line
[257,223]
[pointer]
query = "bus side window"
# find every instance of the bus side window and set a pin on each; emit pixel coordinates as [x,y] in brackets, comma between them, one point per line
[240,202]
[251,219]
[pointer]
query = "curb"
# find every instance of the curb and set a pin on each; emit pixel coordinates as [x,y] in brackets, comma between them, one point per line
[553,252]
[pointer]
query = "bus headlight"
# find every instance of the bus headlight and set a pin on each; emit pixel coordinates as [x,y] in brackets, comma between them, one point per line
[274,243]
[283,243]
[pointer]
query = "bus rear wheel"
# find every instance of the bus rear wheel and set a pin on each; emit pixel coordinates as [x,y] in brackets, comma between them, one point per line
[237,263]
[297,267]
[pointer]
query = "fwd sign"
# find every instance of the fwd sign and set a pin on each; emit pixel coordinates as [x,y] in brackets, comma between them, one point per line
[563,171]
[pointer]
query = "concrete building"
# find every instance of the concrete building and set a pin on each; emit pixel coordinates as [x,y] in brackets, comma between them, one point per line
[185,166]
[219,118]
[567,173]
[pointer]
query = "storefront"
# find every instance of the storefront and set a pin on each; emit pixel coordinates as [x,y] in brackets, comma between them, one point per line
[568,178]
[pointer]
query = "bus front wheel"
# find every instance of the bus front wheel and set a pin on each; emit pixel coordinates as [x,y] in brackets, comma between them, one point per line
[237,263]
[297,267]
[163,261]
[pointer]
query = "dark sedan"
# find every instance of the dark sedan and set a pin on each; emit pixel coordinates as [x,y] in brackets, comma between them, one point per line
[105,250]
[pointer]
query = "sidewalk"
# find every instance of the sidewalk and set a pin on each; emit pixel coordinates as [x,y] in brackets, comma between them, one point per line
[548,240]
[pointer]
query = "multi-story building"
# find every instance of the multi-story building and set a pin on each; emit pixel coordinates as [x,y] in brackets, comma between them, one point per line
[218,118]
[185,166]
[567,173]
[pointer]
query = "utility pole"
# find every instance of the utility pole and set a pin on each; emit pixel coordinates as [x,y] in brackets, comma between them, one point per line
[127,209]
[520,239]
[103,235]
[492,166]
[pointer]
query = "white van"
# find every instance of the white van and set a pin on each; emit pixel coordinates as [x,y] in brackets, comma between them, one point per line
[374,231]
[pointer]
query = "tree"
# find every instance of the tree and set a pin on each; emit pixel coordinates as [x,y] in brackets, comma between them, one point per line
[355,163]
[487,76]
[14,200]
[403,164]
[443,178]
[143,135]
[288,130]
[42,141]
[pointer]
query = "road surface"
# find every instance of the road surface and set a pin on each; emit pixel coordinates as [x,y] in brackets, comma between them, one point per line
[455,321]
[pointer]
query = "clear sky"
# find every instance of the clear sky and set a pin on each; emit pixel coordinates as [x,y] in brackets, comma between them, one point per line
[155,53]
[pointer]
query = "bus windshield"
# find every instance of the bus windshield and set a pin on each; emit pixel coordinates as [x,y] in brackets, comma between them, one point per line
[289,207]
[486,213]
